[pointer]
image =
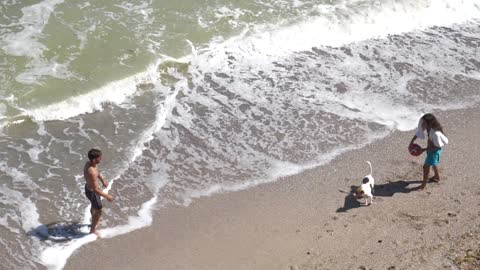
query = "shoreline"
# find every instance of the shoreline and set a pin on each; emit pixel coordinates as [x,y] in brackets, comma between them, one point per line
[308,221]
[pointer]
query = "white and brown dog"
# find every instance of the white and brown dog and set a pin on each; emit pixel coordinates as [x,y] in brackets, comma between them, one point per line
[366,189]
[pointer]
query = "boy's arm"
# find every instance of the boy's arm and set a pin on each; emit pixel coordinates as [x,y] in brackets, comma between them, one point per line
[104,182]
[96,188]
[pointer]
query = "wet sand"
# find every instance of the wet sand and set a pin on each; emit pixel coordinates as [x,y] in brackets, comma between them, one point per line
[310,220]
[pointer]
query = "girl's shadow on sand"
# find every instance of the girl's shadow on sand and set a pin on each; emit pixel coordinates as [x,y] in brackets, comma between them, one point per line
[384,190]
[60,231]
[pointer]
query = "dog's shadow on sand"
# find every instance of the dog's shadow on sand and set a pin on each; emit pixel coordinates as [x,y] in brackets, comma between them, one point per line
[383,190]
[60,231]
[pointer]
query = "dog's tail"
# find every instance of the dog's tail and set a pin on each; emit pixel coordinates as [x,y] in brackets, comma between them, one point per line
[371,170]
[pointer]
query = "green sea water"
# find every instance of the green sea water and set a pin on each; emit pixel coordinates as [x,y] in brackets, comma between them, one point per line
[52,50]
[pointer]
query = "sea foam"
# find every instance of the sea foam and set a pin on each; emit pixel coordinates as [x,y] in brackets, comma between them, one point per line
[332,26]
[115,92]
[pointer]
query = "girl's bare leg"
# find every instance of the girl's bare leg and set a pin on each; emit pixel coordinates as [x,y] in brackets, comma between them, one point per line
[426,172]
[436,177]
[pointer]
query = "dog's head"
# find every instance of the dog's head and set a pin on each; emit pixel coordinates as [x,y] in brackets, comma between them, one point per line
[359,193]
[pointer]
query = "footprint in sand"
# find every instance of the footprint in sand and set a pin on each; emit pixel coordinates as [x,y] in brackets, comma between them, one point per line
[441,222]
[419,226]
[451,215]
[415,221]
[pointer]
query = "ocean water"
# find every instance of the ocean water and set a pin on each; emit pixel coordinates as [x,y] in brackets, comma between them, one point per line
[192,98]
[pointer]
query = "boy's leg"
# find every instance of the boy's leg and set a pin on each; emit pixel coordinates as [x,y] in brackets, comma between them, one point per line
[426,172]
[97,213]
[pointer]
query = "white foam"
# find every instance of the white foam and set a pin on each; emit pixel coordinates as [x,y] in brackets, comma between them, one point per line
[373,108]
[343,23]
[474,75]
[40,67]
[41,129]
[226,12]
[35,150]
[115,92]
[278,170]
[161,117]
[4,223]
[34,19]
[18,176]
[3,110]
[55,257]
[84,5]
[29,217]
[143,219]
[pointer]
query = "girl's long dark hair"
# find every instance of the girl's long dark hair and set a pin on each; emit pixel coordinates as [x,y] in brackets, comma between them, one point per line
[432,122]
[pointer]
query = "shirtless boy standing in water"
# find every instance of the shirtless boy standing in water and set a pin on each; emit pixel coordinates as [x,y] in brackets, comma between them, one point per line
[92,190]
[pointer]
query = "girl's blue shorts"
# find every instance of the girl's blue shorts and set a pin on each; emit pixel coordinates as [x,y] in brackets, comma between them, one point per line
[433,157]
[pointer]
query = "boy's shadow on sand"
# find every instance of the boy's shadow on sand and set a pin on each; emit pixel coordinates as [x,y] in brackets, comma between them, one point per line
[384,190]
[60,231]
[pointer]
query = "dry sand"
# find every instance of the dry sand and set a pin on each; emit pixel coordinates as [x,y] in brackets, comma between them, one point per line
[309,221]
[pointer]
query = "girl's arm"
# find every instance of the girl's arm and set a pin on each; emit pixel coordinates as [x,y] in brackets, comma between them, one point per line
[431,148]
[413,139]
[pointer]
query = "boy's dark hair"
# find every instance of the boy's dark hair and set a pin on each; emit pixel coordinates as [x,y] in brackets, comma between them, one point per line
[432,122]
[94,153]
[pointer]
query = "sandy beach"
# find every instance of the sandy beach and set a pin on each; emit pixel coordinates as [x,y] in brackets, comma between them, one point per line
[309,221]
